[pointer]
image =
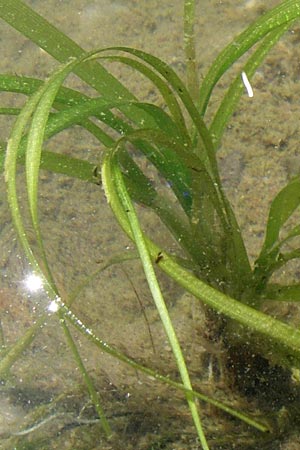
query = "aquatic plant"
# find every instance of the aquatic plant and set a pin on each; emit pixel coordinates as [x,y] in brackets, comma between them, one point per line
[181,144]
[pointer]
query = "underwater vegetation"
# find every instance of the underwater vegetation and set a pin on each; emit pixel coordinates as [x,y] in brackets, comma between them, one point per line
[161,159]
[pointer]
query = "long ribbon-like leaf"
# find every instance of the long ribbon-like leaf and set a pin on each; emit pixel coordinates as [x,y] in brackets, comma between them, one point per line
[283,13]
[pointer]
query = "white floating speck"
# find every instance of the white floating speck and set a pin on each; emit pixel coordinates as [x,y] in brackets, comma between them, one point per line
[247,84]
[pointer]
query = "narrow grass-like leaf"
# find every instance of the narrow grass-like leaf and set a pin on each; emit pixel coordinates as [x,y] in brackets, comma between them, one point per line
[57,44]
[205,151]
[286,339]
[138,236]
[24,19]
[271,258]
[18,348]
[64,118]
[282,207]
[164,89]
[207,155]
[283,13]
[166,156]
[94,395]
[189,48]
[36,138]
[233,94]
[212,262]
[107,348]
[64,164]
[9,111]
[11,182]
[72,167]
[277,292]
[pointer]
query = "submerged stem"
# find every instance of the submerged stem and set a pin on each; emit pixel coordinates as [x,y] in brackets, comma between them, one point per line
[153,284]
[189,48]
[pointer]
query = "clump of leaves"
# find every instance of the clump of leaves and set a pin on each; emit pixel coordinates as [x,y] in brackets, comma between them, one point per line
[181,145]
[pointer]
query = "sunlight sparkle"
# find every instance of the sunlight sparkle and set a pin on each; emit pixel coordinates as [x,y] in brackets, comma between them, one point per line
[53,306]
[33,282]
